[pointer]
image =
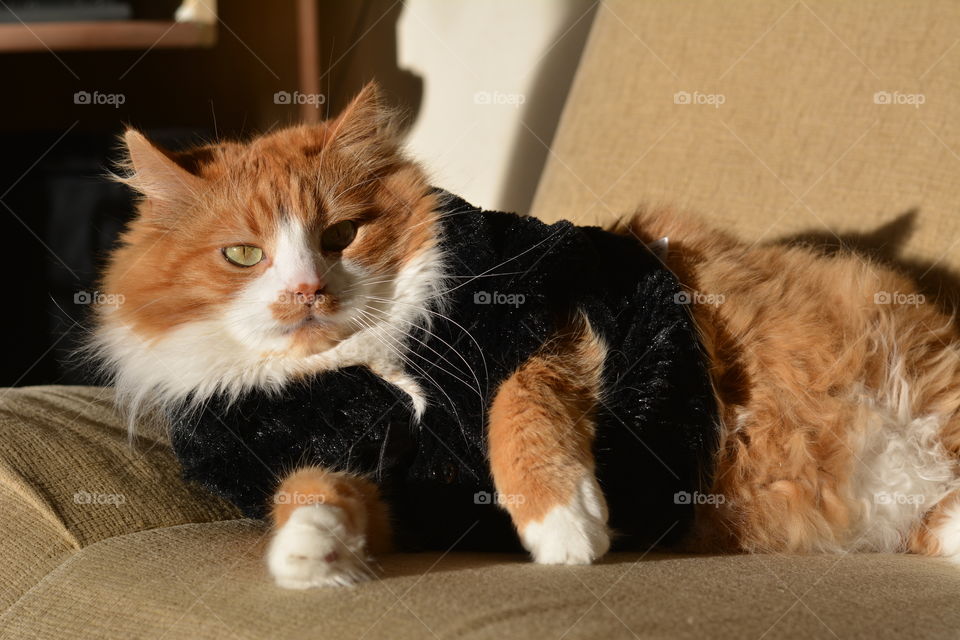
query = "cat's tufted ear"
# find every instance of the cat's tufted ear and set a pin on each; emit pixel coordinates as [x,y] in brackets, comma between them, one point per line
[365,119]
[155,173]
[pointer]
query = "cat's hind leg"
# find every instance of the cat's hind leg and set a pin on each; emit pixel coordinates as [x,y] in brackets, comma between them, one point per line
[541,437]
[325,525]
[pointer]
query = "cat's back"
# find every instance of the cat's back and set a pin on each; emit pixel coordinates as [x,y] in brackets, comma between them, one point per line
[838,382]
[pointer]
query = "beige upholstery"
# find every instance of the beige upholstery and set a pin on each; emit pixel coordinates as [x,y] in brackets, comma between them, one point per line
[798,143]
[102,540]
[172,562]
[59,445]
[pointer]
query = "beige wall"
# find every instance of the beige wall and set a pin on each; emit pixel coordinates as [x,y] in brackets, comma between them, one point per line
[495,77]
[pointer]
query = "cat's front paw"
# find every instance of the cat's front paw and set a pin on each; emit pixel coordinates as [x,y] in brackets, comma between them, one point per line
[315,548]
[573,533]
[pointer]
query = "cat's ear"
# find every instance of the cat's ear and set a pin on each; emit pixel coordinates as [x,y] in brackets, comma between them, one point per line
[365,119]
[156,174]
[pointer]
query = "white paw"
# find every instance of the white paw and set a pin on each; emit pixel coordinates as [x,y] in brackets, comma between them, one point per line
[314,548]
[575,533]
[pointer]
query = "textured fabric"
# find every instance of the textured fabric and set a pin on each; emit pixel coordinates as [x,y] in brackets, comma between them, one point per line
[819,128]
[513,283]
[69,478]
[159,566]
[208,581]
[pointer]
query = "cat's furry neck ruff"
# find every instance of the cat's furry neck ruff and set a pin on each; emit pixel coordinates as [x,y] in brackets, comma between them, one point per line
[199,360]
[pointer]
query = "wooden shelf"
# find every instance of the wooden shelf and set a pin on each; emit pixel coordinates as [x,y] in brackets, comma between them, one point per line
[108,34]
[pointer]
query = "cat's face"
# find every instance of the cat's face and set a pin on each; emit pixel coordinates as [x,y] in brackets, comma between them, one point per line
[281,247]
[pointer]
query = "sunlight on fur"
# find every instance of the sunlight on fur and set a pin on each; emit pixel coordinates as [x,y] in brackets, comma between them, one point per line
[838,427]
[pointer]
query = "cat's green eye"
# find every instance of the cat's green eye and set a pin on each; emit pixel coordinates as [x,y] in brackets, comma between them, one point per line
[338,237]
[243,255]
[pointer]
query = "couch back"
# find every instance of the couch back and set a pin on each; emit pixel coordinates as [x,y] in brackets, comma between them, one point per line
[774,118]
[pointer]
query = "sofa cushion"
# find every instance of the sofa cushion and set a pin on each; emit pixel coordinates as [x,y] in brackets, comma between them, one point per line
[771,118]
[70,477]
[170,561]
[208,581]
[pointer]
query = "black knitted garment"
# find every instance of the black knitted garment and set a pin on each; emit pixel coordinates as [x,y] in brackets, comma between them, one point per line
[510,281]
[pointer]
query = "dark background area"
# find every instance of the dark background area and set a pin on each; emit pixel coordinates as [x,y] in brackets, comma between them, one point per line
[60,221]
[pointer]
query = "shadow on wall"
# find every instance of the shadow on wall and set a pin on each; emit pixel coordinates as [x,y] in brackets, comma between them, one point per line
[885,244]
[545,100]
[358,43]
[495,78]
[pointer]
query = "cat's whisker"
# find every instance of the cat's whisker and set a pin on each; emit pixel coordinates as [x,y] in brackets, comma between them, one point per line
[424,309]
[445,359]
[385,314]
[376,333]
[485,275]
[368,283]
[476,390]
[442,216]
[480,396]
[356,186]
[522,253]
[380,460]
[381,336]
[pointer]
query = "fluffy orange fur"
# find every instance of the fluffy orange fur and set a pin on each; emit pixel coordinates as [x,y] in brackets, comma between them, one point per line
[359,498]
[541,425]
[797,339]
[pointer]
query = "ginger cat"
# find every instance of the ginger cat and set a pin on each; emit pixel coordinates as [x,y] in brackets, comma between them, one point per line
[838,403]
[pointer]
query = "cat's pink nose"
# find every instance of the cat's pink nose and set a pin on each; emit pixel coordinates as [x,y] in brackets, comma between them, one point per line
[307,292]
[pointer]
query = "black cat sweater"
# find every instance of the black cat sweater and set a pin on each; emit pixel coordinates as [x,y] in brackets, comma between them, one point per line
[513,279]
